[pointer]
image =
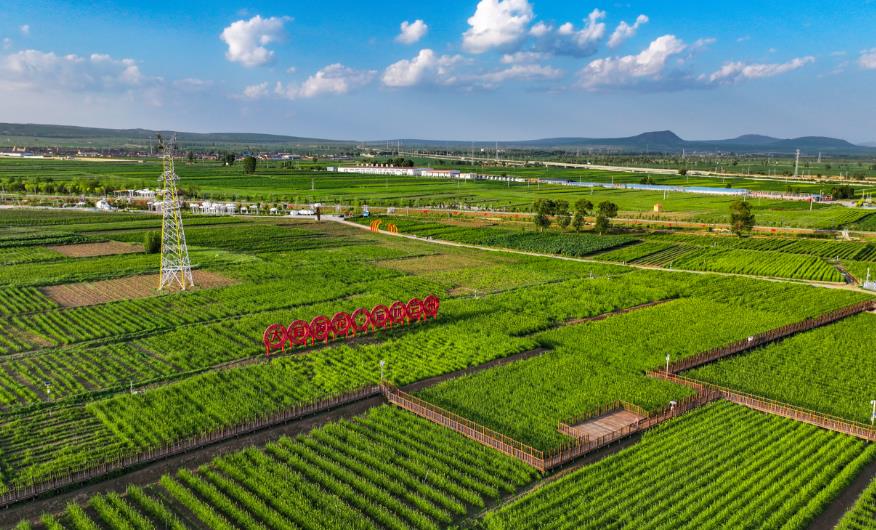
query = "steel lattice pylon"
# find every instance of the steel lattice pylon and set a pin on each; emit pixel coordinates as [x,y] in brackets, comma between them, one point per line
[175,265]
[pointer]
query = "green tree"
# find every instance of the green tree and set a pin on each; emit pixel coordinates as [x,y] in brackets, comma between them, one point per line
[582,210]
[605,211]
[190,156]
[564,217]
[228,159]
[741,218]
[542,217]
[249,165]
[152,242]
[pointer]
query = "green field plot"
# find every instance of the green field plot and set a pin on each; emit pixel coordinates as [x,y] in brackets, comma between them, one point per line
[388,469]
[598,363]
[723,466]
[829,369]
[761,263]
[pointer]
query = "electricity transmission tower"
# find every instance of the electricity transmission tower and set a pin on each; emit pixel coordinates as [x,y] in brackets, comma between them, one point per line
[175,265]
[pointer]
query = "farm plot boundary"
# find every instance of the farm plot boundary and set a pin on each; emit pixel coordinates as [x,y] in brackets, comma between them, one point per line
[90,250]
[129,288]
[153,455]
[525,453]
[770,406]
[769,336]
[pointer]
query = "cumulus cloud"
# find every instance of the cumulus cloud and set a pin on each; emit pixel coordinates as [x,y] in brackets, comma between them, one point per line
[334,79]
[526,72]
[412,32]
[624,31]
[38,70]
[867,60]
[426,68]
[497,24]
[569,40]
[247,39]
[733,72]
[647,66]
[24,29]
[256,91]
[522,57]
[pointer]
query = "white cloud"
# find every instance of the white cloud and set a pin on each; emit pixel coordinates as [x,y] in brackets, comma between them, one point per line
[334,79]
[7,43]
[628,70]
[255,91]
[733,72]
[25,29]
[522,57]
[624,31]
[247,39]
[426,67]
[497,24]
[412,32]
[192,84]
[519,71]
[38,70]
[567,39]
[867,60]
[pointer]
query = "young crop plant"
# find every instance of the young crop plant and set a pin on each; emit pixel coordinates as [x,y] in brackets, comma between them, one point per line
[828,369]
[722,466]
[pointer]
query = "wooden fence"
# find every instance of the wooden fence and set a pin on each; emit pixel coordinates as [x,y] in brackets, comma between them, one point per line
[769,336]
[580,447]
[465,427]
[88,472]
[535,457]
[826,421]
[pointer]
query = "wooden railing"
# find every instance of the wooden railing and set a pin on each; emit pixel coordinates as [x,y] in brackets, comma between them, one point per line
[535,457]
[769,336]
[465,427]
[771,406]
[90,471]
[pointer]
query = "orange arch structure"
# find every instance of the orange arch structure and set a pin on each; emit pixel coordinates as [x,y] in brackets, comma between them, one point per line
[375,225]
[392,229]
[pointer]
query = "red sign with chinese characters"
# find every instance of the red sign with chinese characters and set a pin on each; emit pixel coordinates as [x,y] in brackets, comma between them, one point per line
[362,320]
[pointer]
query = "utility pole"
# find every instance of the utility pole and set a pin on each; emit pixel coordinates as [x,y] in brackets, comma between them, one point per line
[797,163]
[175,264]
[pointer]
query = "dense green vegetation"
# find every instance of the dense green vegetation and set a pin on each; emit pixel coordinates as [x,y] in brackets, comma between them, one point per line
[387,469]
[601,362]
[723,466]
[829,369]
[863,515]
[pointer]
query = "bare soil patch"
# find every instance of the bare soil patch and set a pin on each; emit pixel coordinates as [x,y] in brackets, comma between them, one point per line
[435,263]
[132,287]
[90,250]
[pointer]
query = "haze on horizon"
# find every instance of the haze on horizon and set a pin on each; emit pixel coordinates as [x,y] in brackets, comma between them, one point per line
[466,70]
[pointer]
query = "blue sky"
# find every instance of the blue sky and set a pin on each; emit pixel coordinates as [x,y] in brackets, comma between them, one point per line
[481,70]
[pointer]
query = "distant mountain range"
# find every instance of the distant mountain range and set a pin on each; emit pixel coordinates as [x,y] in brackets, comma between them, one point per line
[35,135]
[669,142]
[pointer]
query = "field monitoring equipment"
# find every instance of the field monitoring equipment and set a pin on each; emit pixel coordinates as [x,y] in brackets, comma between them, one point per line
[176,269]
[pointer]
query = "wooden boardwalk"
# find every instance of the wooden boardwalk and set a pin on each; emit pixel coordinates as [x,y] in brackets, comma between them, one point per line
[598,427]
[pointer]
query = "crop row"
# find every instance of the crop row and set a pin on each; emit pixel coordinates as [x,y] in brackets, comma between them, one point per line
[863,515]
[829,369]
[721,466]
[761,263]
[594,364]
[29,254]
[18,300]
[564,243]
[388,469]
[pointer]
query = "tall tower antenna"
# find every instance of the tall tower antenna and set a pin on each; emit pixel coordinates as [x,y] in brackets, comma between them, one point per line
[797,163]
[175,266]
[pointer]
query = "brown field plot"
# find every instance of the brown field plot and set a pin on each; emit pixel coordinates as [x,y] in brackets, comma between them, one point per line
[141,286]
[90,250]
[436,262]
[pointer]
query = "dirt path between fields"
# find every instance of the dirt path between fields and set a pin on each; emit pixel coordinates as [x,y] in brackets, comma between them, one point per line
[831,515]
[828,285]
[152,472]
